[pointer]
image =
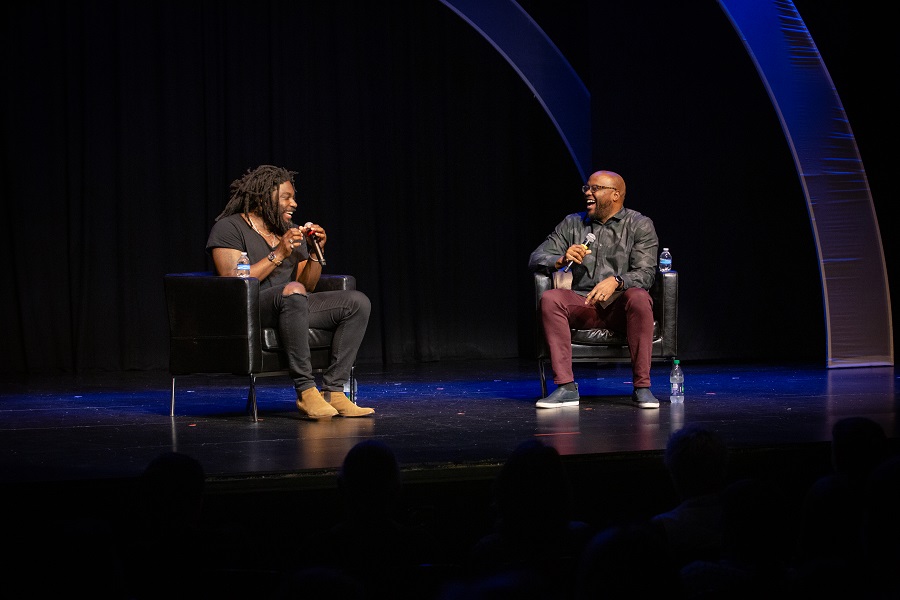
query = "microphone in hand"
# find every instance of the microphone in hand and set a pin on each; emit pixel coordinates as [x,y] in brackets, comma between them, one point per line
[316,246]
[588,240]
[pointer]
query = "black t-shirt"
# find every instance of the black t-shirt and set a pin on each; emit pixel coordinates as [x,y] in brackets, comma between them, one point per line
[234,232]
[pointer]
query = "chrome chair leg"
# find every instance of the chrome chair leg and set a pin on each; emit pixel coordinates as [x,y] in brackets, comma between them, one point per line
[251,398]
[543,375]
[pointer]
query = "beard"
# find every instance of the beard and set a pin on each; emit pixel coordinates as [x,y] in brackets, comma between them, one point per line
[600,210]
[275,220]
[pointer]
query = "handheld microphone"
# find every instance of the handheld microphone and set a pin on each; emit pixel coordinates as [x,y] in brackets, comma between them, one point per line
[316,246]
[588,240]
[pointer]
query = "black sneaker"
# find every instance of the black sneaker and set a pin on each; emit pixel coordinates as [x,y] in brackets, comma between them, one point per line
[560,397]
[644,398]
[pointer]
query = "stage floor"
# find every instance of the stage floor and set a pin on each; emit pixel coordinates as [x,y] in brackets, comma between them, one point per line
[446,415]
[72,450]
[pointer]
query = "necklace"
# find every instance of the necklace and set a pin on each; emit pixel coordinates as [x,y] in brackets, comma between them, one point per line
[265,237]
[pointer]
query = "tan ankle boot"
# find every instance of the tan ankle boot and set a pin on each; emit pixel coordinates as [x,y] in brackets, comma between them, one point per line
[346,408]
[312,405]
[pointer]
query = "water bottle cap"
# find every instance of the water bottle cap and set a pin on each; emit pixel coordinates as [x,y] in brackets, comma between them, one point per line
[676,361]
[665,249]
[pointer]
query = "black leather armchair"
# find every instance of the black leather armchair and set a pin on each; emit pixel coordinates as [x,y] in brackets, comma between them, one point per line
[214,328]
[603,345]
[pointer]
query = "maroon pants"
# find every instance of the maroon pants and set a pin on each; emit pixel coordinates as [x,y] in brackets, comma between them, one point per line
[632,312]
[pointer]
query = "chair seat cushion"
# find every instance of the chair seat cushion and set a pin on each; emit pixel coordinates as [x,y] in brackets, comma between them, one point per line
[318,338]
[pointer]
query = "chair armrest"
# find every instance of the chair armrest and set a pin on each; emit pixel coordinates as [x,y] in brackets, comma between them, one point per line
[332,282]
[542,283]
[665,309]
[213,320]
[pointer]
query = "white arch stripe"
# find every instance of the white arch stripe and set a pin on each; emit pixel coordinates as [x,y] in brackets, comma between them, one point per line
[842,214]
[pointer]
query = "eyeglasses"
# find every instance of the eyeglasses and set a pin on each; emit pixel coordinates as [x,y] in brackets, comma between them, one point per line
[596,188]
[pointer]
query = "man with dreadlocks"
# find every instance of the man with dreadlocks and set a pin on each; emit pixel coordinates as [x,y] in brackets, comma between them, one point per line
[258,220]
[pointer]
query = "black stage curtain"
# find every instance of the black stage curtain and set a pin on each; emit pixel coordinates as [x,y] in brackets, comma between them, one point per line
[430,163]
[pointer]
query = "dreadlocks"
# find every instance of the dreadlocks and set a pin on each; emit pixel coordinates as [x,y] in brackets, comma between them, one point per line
[254,191]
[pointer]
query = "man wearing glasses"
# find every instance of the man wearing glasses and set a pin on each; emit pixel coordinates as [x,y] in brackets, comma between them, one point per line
[611,253]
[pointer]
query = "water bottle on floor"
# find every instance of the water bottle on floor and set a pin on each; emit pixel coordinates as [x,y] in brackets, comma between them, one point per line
[676,383]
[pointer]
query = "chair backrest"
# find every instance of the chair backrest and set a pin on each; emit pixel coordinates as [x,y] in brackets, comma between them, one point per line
[213,324]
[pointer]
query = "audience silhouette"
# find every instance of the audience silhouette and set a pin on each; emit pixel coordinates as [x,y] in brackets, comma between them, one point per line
[880,530]
[320,583]
[166,546]
[82,559]
[375,543]
[627,561]
[830,547]
[757,546]
[534,531]
[697,461]
[506,585]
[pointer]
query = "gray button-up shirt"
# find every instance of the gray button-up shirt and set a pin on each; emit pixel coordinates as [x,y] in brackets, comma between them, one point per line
[626,246]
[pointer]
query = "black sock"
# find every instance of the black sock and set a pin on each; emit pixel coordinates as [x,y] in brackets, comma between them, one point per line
[569,386]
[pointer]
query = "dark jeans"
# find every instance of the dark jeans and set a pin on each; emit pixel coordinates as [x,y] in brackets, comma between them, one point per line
[563,310]
[345,312]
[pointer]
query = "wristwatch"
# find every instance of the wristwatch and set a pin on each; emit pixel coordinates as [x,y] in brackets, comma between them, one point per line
[620,283]
[271,257]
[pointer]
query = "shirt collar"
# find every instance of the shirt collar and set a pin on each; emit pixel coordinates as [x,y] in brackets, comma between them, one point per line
[616,217]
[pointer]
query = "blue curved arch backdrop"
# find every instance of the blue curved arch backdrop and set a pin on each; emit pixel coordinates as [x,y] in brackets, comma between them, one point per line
[856,296]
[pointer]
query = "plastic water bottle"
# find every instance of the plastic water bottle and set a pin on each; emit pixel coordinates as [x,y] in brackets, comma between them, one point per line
[243,265]
[676,383]
[665,260]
